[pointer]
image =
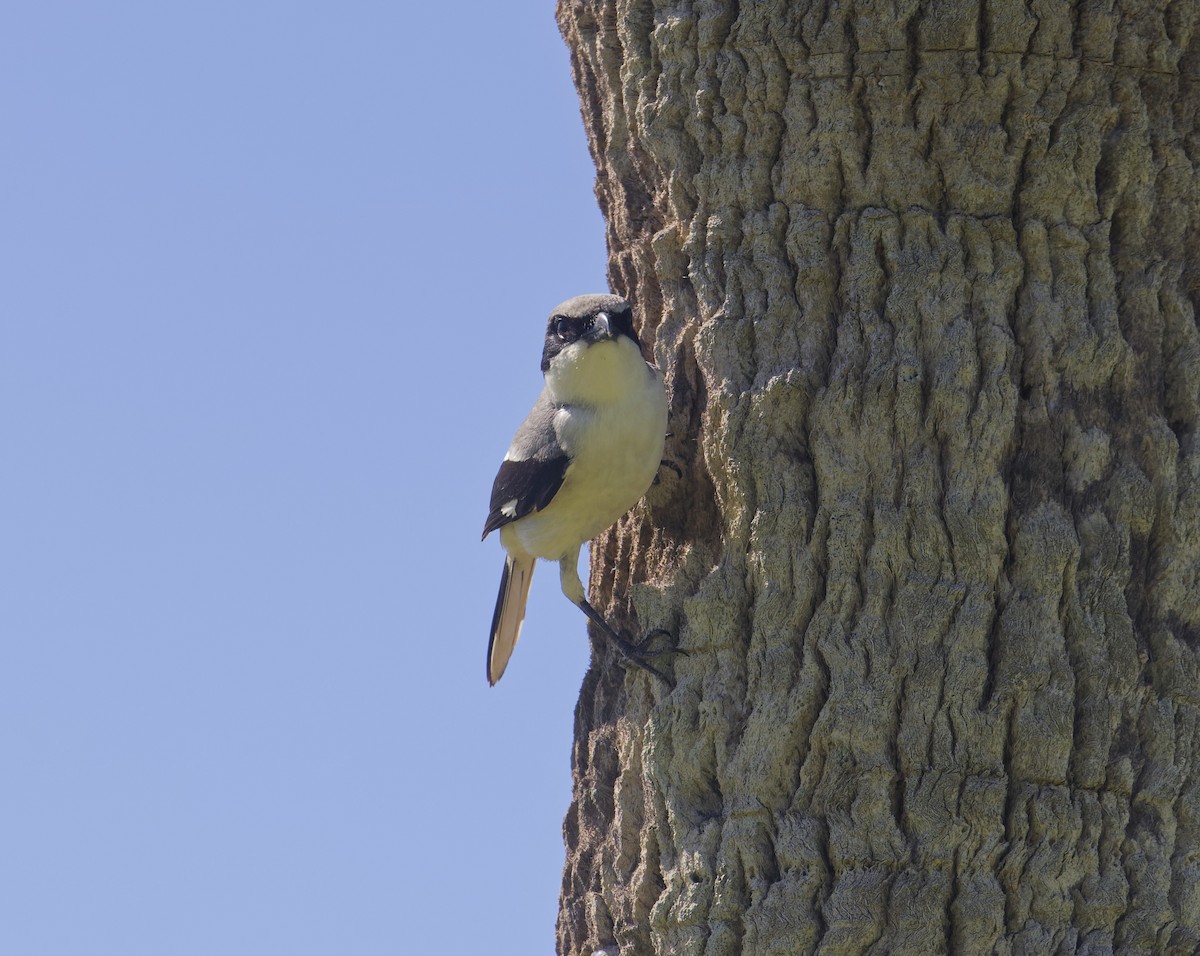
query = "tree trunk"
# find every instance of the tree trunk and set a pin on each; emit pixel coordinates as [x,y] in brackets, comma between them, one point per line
[923,278]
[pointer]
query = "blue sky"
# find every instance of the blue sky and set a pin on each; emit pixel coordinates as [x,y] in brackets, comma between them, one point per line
[274,283]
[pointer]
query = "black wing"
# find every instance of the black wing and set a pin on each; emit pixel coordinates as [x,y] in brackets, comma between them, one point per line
[532,474]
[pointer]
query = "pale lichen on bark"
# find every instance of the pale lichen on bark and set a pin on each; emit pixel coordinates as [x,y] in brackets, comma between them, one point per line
[923,277]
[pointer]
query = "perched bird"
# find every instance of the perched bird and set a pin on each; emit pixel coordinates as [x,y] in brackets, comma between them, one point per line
[586,453]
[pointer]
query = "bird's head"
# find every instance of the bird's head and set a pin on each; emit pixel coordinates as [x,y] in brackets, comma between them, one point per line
[583,322]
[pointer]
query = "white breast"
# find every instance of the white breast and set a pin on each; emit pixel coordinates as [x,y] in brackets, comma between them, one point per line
[612,423]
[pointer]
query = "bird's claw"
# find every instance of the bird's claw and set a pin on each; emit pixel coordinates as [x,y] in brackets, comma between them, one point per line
[641,664]
[639,654]
[644,648]
[667,463]
[635,654]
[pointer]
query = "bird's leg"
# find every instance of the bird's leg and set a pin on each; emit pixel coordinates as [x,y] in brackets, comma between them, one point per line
[630,651]
[572,587]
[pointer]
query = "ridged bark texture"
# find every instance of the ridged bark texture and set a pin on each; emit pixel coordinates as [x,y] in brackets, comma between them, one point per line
[923,277]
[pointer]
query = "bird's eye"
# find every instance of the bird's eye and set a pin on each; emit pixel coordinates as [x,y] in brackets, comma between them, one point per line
[562,328]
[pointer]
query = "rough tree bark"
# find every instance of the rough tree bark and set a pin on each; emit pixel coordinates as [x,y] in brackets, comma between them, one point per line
[923,277]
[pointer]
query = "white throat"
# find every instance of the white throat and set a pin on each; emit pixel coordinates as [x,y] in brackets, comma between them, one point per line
[597,374]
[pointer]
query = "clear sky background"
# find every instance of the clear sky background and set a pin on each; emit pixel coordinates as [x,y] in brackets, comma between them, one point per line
[273,279]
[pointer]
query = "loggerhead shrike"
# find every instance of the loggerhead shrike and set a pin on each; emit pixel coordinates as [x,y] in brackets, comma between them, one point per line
[588,451]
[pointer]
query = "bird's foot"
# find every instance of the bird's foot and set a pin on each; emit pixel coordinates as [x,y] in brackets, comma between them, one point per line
[645,647]
[639,654]
[633,653]
[667,463]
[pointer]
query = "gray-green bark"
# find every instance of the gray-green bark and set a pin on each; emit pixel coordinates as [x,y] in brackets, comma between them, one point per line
[924,280]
